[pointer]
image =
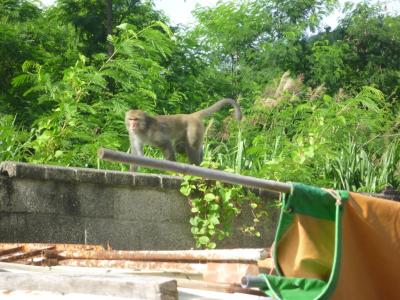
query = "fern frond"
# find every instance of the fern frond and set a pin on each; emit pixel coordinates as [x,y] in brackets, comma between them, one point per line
[23,79]
[37,88]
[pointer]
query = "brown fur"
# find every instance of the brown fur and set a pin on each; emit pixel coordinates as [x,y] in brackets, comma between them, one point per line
[182,133]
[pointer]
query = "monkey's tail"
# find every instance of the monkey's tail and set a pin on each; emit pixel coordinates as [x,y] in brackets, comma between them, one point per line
[217,106]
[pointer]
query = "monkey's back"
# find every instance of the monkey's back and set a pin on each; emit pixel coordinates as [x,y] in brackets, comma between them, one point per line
[177,126]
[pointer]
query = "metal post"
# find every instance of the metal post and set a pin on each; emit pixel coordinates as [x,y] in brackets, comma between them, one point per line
[253,281]
[117,156]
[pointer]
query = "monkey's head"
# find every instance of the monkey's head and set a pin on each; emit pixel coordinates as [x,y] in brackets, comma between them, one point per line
[136,120]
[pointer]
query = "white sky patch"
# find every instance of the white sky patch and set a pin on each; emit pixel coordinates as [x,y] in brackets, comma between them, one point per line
[47,2]
[391,7]
[180,11]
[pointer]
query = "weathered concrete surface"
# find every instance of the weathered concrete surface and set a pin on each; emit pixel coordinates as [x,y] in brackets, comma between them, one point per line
[40,203]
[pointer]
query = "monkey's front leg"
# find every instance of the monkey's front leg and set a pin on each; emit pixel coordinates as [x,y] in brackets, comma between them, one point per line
[133,168]
[136,149]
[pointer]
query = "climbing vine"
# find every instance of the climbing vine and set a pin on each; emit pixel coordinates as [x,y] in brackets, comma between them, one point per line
[215,206]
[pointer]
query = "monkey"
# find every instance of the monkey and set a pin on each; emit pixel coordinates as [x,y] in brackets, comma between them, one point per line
[181,133]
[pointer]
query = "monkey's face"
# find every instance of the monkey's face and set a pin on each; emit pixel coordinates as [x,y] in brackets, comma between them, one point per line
[135,120]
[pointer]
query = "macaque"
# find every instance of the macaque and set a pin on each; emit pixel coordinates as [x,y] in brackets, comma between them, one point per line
[182,133]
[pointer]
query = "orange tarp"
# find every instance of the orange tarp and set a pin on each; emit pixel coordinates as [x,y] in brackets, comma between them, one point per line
[370,267]
[370,252]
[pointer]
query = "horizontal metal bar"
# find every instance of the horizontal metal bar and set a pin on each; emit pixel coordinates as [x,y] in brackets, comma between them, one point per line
[244,255]
[182,168]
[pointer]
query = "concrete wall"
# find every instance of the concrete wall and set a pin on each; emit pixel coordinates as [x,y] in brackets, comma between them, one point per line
[40,203]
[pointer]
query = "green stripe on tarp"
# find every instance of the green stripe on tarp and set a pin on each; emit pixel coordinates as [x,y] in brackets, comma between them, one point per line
[317,203]
[312,201]
[280,287]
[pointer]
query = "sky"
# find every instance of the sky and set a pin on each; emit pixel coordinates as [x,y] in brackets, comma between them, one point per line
[179,11]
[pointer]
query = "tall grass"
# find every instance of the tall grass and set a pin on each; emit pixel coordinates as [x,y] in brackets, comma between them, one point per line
[338,143]
[13,139]
[357,170]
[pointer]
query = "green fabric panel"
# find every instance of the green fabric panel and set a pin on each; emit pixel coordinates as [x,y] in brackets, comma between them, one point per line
[318,203]
[337,258]
[293,288]
[285,220]
[311,201]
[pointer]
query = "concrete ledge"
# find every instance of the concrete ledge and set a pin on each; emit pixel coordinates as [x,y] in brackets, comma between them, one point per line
[69,174]
[137,211]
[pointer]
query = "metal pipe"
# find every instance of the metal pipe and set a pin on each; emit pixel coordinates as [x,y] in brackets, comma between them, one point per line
[117,156]
[249,281]
[237,255]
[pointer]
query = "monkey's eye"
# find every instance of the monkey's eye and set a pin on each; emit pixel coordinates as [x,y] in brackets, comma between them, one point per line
[134,119]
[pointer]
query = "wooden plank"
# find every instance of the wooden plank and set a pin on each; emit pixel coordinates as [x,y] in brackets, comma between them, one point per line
[24,255]
[35,246]
[137,287]
[43,295]
[10,250]
[136,265]
[266,264]
[20,268]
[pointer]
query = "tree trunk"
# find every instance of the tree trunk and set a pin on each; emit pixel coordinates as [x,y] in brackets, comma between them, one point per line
[109,25]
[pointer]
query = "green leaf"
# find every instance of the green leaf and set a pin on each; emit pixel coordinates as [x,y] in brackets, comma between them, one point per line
[212,245]
[194,221]
[204,240]
[213,207]
[185,190]
[214,220]
[209,197]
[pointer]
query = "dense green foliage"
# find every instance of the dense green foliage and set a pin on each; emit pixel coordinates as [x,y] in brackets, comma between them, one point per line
[69,72]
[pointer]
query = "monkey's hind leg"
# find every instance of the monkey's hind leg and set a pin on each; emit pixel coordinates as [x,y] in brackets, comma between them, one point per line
[180,146]
[168,151]
[195,155]
[194,142]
